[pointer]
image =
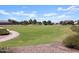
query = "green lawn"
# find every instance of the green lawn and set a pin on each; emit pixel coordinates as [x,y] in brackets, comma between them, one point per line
[37,34]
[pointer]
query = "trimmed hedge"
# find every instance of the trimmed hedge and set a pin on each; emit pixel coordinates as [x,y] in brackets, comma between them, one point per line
[4,31]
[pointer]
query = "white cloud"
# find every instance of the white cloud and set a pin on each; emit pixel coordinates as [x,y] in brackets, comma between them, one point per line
[61,16]
[22,13]
[41,18]
[29,14]
[65,17]
[70,8]
[3,12]
[24,7]
[19,13]
[34,12]
[59,9]
[12,18]
[50,14]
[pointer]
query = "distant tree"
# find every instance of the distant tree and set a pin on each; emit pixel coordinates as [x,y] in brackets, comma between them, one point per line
[49,22]
[34,21]
[57,23]
[13,21]
[44,22]
[24,22]
[10,20]
[61,22]
[67,22]
[39,23]
[52,23]
[71,22]
[30,21]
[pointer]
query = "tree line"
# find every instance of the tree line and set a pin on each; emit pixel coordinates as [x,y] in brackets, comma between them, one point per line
[34,22]
[25,22]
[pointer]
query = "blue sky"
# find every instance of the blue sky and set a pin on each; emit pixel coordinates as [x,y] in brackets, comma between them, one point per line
[55,13]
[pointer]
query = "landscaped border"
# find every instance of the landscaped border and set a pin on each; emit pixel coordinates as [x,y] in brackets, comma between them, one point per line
[12,35]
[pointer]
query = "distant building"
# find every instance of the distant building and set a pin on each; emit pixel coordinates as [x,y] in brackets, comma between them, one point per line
[75,22]
[5,22]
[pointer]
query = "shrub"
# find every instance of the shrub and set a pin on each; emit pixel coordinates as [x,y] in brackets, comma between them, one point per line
[4,50]
[4,31]
[75,28]
[72,41]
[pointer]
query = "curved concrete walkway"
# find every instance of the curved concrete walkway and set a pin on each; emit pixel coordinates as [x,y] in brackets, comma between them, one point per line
[13,34]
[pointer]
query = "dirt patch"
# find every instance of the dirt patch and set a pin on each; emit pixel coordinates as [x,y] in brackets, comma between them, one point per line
[56,47]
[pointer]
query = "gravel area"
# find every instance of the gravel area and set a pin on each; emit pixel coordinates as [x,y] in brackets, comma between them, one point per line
[56,47]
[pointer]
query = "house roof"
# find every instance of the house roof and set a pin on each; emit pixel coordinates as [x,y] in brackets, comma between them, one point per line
[4,21]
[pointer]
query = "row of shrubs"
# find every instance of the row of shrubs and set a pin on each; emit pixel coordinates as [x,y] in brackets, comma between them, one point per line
[5,49]
[73,41]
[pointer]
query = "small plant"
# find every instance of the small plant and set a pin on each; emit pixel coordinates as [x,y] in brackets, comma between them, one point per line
[3,31]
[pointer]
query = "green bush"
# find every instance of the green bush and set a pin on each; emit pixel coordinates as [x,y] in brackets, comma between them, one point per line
[72,41]
[75,28]
[4,31]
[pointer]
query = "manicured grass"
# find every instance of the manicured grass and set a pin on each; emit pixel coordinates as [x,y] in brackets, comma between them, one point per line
[37,34]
